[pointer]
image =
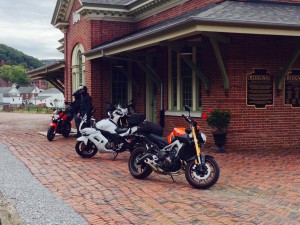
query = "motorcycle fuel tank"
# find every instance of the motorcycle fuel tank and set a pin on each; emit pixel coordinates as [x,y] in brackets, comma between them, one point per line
[107,125]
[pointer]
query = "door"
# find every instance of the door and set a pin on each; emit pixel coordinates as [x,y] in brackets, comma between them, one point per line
[151,101]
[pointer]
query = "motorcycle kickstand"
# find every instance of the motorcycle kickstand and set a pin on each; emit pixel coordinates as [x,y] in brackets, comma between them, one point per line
[172,178]
[115,155]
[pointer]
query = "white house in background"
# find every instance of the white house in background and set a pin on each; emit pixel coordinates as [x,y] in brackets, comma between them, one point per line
[28,92]
[49,96]
[11,95]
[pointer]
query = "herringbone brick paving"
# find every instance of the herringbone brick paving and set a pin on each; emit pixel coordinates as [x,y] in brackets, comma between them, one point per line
[261,187]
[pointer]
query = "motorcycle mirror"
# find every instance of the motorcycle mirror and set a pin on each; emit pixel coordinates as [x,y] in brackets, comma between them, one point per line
[187,109]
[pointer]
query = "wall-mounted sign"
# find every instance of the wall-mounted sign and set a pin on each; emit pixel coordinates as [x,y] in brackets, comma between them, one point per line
[76,17]
[260,88]
[292,88]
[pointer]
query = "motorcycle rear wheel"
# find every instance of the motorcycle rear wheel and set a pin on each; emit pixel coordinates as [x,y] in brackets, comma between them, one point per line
[139,171]
[85,151]
[50,133]
[66,129]
[202,179]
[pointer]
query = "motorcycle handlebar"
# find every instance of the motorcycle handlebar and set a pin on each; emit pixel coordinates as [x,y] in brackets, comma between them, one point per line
[186,118]
[190,120]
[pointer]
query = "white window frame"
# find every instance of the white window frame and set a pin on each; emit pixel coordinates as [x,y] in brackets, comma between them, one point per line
[195,109]
[76,68]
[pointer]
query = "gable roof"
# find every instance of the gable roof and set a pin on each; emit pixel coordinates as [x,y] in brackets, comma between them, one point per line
[51,91]
[5,89]
[255,17]
[11,95]
[26,89]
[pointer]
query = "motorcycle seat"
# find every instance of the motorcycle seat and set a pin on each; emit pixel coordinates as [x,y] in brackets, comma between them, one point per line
[121,130]
[159,139]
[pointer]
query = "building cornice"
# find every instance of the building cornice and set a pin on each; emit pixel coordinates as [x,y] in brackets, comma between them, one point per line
[133,12]
[61,14]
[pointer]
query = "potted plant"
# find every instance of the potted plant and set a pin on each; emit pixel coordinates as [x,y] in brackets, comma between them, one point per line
[219,120]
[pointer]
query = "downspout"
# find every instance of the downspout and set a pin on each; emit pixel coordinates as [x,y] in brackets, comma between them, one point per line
[66,67]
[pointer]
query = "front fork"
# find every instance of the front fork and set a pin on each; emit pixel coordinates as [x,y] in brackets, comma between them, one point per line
[54,125]
[198,160]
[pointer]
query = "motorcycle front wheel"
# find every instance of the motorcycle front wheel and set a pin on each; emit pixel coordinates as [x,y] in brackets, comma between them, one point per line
[50,133]
[205,177]
[86,151]
[138,170]
[66,129]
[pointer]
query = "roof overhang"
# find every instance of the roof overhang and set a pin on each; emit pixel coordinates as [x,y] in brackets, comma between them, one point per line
[53,73]
[185,28]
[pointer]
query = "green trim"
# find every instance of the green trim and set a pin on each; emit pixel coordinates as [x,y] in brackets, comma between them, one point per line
[150,72]
[222,68]
[289,65]
[193,66]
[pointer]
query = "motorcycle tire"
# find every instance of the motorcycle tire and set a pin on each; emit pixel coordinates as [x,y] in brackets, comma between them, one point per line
[85,151]
[142,170]
[66,130]
[50,134]
[205,179]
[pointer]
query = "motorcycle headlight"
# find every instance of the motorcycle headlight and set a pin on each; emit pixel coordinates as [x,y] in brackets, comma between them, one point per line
[202,136]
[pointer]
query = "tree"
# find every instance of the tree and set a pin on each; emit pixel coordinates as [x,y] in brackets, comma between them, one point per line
[12,56]
[14,74]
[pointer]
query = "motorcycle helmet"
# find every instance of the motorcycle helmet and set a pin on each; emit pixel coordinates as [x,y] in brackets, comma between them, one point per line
[82,88]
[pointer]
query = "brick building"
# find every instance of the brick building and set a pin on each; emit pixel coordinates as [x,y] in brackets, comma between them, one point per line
[237,55]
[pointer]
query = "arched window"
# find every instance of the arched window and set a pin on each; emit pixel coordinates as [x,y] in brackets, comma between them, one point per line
[78,67]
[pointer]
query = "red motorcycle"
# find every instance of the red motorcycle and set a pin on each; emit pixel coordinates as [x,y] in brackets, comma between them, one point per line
[60,124]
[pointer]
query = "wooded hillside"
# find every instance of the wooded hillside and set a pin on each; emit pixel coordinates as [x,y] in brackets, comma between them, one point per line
[12,56]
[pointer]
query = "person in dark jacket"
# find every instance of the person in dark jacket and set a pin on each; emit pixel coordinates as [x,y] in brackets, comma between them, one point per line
[86,105]
[75,108]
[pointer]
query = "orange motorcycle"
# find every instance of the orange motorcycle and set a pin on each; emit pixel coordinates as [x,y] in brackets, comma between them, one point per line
[179,152]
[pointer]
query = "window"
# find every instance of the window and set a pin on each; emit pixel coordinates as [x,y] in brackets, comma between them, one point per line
[184,86]
[119,87]
[78,67]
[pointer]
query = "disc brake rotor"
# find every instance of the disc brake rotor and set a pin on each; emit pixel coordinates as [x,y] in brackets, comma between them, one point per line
[201,175]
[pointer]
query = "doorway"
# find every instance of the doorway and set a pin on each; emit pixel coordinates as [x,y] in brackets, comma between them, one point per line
[151,100]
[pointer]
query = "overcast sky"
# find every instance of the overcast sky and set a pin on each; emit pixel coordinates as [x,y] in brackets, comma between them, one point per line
[26,26]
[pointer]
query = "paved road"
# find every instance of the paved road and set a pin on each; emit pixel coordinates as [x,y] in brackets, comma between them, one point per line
[258,187]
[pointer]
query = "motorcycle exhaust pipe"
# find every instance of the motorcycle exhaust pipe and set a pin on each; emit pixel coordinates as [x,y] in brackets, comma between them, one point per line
[106,151]
[148,155]
[154,167]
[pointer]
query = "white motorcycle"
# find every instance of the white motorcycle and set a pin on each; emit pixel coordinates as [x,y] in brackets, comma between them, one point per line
[107,136]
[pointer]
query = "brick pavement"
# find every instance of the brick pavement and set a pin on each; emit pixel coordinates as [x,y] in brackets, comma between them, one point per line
[261,187]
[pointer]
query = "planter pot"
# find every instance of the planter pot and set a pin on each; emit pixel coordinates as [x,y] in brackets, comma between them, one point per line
[220,140]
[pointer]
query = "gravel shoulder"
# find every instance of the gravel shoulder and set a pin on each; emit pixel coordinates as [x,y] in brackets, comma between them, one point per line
[24,200]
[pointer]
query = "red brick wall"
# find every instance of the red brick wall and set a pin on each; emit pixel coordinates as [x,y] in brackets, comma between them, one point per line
[78,33]
[106,31]
[100,90]
[274,127]
[249,129]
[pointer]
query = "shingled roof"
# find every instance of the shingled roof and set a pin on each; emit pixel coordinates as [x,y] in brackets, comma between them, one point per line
[228,13]
[254,12]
